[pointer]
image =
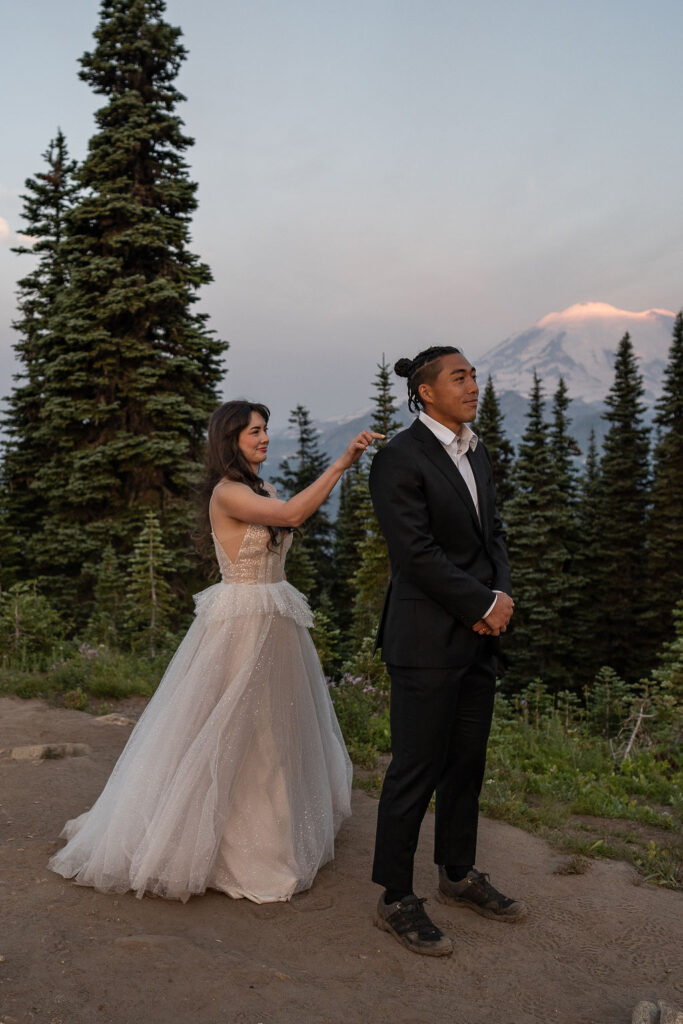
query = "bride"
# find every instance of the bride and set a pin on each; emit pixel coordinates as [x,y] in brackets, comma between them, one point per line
[236,776]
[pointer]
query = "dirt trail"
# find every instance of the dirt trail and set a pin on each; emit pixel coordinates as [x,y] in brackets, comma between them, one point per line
[593,945]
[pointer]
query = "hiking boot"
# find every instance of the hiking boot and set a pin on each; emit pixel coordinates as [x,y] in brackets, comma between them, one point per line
[475,891]
[407,921]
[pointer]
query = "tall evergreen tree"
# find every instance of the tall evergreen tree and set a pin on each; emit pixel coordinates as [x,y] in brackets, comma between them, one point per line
[48,198]
[105,621]
[149,596]
[385,410]
[489,427]
[30,628]
[588,558]
[372,572]
[564,449]
[349,530]
[667,683]
[133,368]
[563,446]
[308,563]
[618,599]
[537,531]
[665,520]
[10,563]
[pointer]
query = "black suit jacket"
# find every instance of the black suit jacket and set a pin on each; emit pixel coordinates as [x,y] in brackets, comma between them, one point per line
[445,560]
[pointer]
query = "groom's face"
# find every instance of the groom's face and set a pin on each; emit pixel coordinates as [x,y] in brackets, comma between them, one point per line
[452,396]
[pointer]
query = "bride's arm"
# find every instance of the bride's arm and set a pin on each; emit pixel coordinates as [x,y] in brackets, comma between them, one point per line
[239,501]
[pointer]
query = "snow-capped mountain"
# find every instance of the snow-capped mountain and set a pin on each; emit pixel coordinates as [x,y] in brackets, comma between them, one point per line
[579,344]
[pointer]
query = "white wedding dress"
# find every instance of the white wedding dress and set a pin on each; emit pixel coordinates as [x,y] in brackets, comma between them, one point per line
[236,776]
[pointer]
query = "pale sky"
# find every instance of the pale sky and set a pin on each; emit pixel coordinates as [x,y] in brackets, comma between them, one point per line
[380,175]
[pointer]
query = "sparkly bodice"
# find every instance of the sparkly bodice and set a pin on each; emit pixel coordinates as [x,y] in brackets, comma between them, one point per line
[255,562]
[258,560]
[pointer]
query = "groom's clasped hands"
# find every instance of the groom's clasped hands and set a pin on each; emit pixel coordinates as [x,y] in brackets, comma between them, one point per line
[497,620]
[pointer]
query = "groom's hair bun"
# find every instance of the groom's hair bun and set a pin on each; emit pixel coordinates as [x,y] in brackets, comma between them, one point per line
[402,367]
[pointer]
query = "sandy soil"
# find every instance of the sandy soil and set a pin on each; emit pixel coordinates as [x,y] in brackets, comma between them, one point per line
[593,944]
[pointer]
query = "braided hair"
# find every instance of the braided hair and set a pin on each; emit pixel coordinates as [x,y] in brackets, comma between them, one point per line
[423,369]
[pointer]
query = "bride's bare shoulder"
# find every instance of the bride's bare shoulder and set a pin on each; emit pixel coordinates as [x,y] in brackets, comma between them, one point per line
[237,499]
[224,486]
[237,486]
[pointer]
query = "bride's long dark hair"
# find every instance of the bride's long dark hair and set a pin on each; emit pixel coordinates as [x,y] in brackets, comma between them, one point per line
[225,461]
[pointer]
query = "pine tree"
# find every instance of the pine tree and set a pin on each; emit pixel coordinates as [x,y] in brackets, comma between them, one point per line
[301,569]
[608,700]
[666,685]
[349,530]
[133,369]
[29,626]
[617,599]
[563,446]
[564,449]
[10,563]
[385,411]
[47,200]
[308,563]
[105,621]
[489,427]
[326,637]
[537,531]
[587,557]
[148,594]
[665,519]
[370,579]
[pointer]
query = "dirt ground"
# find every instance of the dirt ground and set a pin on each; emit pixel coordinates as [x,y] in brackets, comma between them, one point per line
[592,947]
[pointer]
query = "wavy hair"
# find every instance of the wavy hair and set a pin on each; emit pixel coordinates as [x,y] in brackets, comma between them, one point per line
[224,460]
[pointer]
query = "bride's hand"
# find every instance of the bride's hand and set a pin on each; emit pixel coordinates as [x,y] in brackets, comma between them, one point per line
[357,446]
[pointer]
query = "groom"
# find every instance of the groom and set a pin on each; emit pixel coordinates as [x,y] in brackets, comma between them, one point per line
[433,494]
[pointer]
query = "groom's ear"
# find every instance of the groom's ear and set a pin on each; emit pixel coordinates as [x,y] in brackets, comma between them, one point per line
[425,393]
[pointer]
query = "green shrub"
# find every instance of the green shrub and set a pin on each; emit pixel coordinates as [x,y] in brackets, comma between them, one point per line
[608,702]
[368,665]
[76,699]
[325,636]
[30,628]
[68,675]
[99,673]
[362,710]
[18,683]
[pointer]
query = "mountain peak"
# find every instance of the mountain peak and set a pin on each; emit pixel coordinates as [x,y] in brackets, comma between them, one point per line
[582,311]
[579,344]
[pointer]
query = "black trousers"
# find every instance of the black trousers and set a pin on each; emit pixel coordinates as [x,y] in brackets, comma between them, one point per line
[440,723]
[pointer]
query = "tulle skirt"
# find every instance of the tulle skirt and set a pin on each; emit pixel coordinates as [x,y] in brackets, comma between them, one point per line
[236,776]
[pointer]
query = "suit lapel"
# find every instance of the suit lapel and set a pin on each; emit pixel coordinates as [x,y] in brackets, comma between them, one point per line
[440,458]
[481,480]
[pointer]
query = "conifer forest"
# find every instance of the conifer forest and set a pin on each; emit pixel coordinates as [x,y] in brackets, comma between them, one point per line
[103,438]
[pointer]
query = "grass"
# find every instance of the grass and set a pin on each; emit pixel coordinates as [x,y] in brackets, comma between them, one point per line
[85,677]
[565,786]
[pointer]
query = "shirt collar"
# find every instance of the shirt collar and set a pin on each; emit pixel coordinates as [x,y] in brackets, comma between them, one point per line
[466,438]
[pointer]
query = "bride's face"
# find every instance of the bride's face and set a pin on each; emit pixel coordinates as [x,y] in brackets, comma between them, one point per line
[253,441]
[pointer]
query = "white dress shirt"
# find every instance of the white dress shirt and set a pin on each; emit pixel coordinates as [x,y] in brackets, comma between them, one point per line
[457,446]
